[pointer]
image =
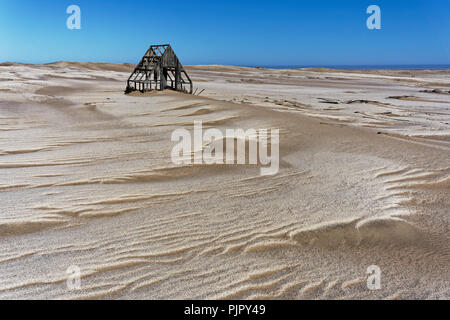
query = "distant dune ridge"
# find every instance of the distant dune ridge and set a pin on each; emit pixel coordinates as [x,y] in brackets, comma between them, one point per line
[124,67]
[88,181]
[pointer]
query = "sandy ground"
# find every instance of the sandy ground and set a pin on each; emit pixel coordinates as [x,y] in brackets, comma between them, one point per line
[87,181]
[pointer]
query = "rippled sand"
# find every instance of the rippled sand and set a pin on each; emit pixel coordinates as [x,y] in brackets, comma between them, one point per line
[87,180]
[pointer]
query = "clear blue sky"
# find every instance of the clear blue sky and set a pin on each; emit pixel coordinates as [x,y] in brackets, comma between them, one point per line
[244,32]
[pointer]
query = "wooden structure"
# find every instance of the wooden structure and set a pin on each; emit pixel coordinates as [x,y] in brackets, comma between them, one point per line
[159,69]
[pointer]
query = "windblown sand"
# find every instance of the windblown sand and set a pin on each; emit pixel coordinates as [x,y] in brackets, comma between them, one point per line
[87,180]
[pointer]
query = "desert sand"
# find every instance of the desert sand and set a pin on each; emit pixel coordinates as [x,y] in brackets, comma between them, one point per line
[87,180]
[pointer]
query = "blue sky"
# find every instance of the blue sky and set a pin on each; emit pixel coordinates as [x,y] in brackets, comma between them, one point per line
[245,32]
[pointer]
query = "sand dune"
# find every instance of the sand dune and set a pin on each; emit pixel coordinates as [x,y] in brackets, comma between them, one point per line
[87,180]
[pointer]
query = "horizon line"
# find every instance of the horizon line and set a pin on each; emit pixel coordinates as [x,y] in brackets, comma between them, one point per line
[418,66]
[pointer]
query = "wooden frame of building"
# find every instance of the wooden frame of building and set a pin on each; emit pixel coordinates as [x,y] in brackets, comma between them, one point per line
[159,69]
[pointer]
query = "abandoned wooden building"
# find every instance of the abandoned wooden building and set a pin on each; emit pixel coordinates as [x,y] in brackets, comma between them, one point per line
[159,69]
